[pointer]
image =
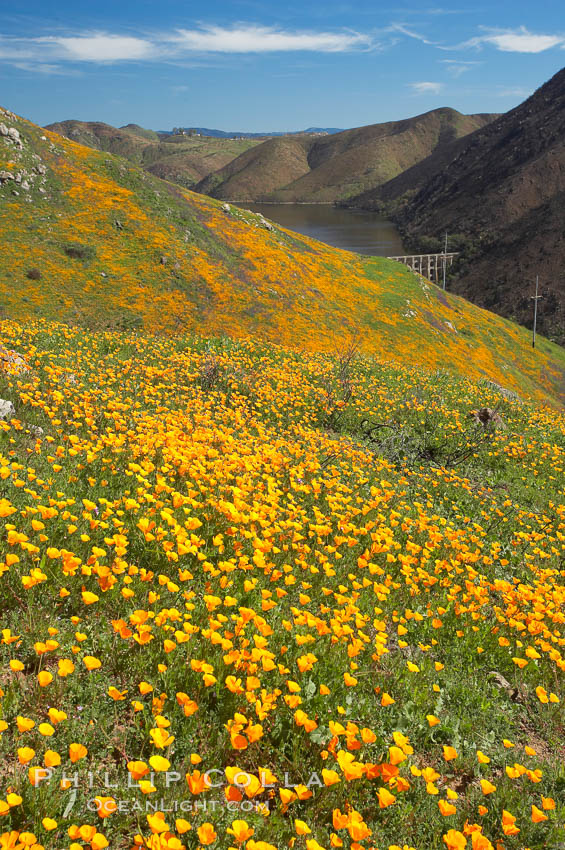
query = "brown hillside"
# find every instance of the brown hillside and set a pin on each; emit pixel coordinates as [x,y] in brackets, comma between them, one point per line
[503,193]
[338,166]
[181,159]
[261,171]
[402,188]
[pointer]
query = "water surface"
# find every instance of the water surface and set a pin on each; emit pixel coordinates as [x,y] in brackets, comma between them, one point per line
[354,230]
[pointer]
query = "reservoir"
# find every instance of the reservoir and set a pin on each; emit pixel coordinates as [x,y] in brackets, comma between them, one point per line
[353,230]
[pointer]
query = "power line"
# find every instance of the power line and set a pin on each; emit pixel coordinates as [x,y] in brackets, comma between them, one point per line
[535,298]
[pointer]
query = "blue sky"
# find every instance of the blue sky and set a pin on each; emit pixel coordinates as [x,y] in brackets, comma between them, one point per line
[250,65]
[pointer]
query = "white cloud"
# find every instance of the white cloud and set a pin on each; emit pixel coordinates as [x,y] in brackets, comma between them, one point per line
[104,47]
[519,40]
[455,67]
[401,28]
[426,87]
[101,47]
[45,68]
[251,38]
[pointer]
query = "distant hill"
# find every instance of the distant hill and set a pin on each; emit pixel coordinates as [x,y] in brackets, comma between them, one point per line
[324,169]
[182,159]
[502,194]
[238,134]
[91,239]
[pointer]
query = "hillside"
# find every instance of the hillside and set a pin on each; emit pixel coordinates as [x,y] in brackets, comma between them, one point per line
[282,534]
[503,194]
[334,167]
[182,159]
[90,239]
[260,598]
[391,197]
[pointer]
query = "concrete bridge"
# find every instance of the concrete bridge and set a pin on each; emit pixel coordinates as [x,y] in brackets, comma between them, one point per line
[428,265]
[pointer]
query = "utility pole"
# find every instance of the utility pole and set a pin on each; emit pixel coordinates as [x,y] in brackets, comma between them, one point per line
[444,260]
[535,298]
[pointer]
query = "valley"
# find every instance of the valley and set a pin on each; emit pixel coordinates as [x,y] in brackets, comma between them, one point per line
[360,231]
[435,173]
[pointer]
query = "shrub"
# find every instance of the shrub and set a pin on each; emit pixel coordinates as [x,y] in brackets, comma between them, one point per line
[79,252]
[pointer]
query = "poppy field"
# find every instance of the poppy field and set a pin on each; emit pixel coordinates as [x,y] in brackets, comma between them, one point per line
[256,598]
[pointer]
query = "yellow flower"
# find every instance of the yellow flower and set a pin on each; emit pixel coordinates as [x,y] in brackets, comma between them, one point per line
[77,752]
[159,763]
[25,754]
[206,834]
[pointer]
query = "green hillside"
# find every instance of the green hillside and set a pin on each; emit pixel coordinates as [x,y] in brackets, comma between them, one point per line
[91,239]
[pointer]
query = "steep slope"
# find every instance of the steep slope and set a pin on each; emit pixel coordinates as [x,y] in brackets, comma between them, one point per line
[391,196]
[338,166]
[183,159]
[504,193]
[90,239]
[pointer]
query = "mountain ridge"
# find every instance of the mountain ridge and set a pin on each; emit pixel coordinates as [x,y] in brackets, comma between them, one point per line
[227,134]
[337,166]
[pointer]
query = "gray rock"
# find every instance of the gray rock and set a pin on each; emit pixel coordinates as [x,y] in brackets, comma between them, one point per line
[3,130]
[5,175]
[7,410]
[264,223]
[226,208]
[504,391]
[12,361]
[14,134]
